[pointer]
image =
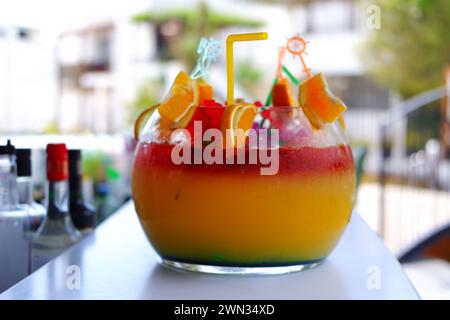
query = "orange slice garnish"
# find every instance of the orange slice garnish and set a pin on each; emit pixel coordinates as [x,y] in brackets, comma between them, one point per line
[235,117]
[142,119]
[205,92]
[282,94]
[318,103]
[179,105]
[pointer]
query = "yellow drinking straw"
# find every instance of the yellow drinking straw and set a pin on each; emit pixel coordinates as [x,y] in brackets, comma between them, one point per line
[231,39]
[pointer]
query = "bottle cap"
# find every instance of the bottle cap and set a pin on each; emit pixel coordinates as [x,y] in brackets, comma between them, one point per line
[7,149]
[23,160]
[57,162]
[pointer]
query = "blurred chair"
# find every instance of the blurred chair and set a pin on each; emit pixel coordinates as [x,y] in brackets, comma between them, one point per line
[434,246]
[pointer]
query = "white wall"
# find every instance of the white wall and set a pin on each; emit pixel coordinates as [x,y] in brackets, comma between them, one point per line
[27,83]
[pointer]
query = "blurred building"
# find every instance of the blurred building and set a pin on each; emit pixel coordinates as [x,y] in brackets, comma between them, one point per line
[27,79]
[85,81]
[337,28]
[101,64]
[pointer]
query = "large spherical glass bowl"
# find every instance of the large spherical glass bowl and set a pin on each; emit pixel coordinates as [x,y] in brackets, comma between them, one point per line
[231,218]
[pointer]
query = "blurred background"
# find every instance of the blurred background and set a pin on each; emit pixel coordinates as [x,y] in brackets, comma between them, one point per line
[81,71]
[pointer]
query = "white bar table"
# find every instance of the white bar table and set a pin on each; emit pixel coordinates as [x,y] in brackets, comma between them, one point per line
[117,262]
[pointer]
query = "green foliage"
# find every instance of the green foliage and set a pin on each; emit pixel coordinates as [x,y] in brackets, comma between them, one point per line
[99,166]
[186,49]
[147,95]
[423,124]
[191,17]
[51,128]
[412,47]
[249,77]
[197,22]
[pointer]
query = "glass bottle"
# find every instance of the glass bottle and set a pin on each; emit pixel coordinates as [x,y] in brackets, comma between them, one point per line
[56,233]
[14,244]
[83,215]
[24,182]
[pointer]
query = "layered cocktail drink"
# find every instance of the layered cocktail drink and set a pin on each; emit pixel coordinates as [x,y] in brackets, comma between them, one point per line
[251,207]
